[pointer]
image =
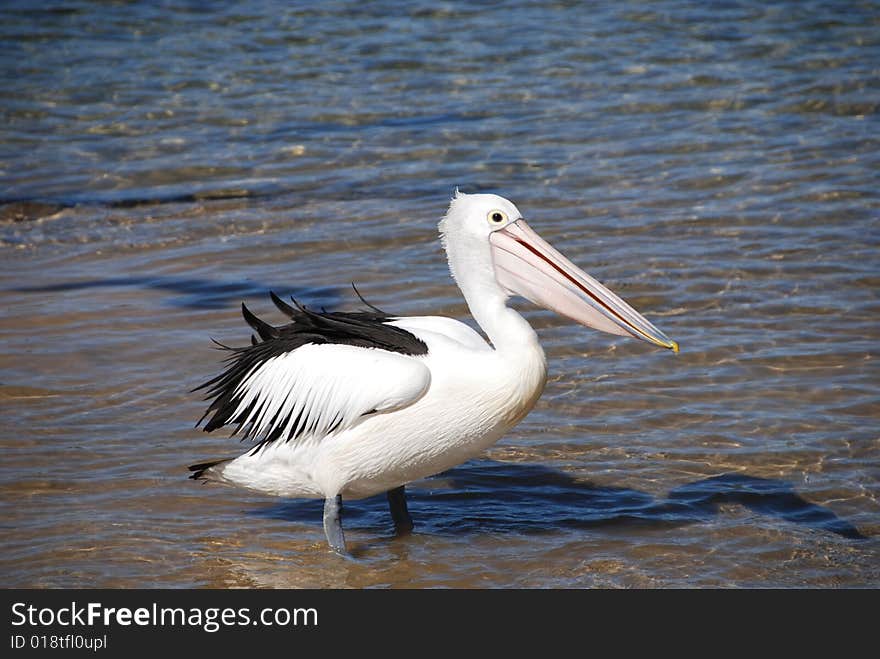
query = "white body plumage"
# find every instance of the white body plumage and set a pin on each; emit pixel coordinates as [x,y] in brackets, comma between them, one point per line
[445,408]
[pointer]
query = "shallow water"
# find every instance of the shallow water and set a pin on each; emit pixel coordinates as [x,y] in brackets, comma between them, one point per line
[714,163]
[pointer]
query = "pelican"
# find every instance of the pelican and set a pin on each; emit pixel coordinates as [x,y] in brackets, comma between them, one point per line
[350,405]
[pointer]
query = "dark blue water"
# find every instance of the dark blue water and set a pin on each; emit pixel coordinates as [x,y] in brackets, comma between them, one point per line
[714,163]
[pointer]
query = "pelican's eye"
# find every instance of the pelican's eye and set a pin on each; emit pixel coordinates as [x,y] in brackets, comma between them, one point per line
[497,217]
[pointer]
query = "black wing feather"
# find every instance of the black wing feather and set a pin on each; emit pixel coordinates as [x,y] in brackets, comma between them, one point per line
[361,298]
[283,307]
[264,329]
[365,329]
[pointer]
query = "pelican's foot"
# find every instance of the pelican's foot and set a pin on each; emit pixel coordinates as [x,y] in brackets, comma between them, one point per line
[403,523]
[333,524]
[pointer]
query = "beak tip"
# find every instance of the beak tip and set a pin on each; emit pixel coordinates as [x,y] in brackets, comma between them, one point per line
[674,346]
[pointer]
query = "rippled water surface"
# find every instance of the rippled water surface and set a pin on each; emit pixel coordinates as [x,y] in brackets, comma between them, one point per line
[714,163]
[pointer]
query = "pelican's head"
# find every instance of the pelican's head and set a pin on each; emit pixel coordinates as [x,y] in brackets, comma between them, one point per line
[490,247]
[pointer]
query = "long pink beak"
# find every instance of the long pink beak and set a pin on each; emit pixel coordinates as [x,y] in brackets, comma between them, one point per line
[527,265]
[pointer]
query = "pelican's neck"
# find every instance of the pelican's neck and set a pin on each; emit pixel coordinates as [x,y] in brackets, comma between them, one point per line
[516,347]
[507,330]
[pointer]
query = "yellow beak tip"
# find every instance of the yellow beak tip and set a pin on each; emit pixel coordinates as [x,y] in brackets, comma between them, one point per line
[674,346]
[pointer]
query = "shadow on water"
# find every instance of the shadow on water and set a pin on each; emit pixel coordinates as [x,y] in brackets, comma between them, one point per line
[488,496]
[194,293]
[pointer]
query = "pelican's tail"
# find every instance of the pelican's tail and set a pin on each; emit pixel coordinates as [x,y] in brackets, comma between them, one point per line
[206,471]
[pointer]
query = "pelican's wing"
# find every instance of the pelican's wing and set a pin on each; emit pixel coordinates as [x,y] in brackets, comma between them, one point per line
[448,327]
[317,376]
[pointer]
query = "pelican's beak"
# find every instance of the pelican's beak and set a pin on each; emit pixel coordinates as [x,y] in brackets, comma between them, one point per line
[527,265]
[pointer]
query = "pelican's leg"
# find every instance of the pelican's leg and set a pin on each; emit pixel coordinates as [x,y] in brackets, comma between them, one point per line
[403,523]
[333,524]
